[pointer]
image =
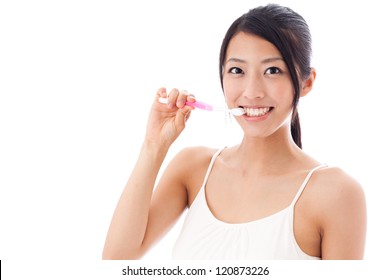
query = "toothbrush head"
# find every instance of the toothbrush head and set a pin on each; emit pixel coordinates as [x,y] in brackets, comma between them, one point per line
[237,112]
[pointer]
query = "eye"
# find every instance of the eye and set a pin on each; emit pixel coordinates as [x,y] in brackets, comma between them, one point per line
[272,70]
[235,70]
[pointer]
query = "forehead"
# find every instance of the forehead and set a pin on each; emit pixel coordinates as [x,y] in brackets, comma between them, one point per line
[248,46]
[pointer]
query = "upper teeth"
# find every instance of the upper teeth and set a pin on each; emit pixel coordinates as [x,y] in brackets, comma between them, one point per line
[256,112]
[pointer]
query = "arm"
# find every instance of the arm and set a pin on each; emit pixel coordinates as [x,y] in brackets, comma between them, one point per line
[133,217]
[344,220]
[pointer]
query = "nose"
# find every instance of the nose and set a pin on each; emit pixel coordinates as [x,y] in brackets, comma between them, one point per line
[254,88]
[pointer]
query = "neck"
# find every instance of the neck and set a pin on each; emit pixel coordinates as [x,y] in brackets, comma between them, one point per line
[276,153]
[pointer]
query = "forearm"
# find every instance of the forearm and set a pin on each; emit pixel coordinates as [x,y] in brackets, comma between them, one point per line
[129,223]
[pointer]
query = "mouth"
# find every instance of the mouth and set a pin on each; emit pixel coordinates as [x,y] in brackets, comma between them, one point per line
[256,111]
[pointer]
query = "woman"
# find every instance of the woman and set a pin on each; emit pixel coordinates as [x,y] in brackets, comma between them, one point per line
[262,199]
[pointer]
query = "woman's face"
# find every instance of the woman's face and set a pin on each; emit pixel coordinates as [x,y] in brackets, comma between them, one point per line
[256,78]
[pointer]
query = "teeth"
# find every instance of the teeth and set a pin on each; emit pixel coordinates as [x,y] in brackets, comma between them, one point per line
[256,112]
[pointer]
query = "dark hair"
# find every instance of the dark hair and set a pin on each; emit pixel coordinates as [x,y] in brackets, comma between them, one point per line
[290,34]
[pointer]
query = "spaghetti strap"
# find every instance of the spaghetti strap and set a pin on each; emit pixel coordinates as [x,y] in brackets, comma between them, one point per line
[211,166]
[305,183]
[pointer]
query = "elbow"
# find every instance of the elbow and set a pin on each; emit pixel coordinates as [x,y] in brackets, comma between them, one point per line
[108,255]
[113,254]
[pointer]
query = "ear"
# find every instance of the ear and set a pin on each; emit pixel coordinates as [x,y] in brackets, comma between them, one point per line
[308,84]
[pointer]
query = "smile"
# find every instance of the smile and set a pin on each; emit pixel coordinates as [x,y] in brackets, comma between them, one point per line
[256,112]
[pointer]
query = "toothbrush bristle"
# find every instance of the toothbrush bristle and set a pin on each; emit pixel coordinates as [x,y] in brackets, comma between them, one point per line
[237,111]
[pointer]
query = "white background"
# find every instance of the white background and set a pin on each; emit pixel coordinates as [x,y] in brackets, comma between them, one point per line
[77,79]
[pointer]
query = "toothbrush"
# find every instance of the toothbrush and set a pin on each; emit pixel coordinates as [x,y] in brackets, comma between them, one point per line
[204,106]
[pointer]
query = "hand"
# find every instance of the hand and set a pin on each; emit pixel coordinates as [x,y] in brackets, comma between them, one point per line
[167,121]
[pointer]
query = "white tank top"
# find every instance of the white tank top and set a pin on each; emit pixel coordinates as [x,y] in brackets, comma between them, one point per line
[203,236]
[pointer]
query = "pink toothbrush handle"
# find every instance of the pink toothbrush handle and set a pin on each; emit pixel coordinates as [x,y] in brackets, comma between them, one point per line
[204,106]
[196,104]
[200,105]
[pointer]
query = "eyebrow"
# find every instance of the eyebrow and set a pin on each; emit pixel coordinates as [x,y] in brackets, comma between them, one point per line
[267,60]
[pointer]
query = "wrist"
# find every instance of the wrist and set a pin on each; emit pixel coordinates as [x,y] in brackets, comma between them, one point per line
[155,148]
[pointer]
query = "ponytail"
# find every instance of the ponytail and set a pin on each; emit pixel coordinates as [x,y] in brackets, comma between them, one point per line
[296,129]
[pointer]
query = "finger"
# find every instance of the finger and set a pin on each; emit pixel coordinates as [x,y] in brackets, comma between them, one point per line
[180,120]
[191,98]
[187,116]
[172,97]
[162,92]
[182,99]
[182,116]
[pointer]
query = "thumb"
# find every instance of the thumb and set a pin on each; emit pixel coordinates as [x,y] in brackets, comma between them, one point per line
[182,116]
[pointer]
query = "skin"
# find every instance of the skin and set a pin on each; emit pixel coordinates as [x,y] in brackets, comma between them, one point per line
[250,181]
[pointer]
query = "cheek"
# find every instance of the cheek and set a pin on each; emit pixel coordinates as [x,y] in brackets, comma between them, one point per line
[287,95]
[231,90]
[282,92]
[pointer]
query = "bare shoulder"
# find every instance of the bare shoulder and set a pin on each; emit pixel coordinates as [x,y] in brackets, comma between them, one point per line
[189,166]
[188,161]
[334,185]
[193,156]
[340,211]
